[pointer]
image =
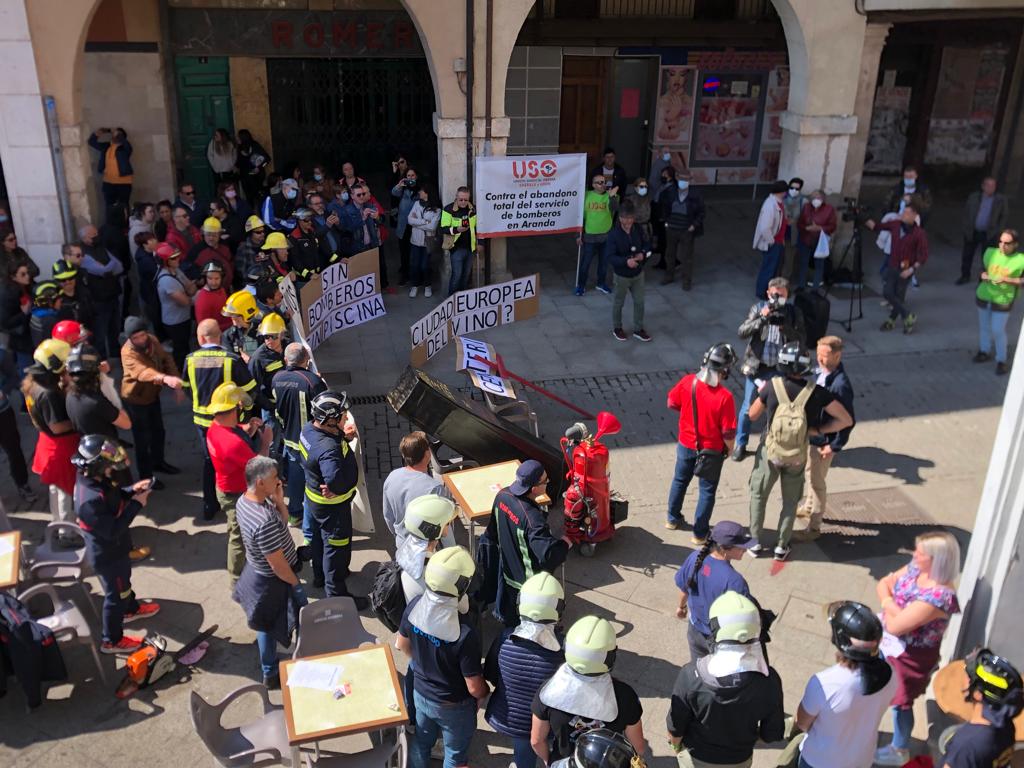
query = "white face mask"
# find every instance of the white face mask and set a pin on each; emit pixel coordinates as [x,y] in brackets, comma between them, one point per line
[344,197]
[641,191]
[666,157]
[909,183]
[817,203]
[683,184]
[793,192]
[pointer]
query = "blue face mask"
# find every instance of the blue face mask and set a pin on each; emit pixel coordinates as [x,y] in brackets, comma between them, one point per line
[683,184]
[3,218]
[344,197]
[666,157]
[318,176]
[290,193]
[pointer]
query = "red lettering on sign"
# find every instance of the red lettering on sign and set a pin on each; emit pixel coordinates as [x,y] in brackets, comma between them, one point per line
[344,34]
[373,34]
[531,169]
[403,34]
[313,35]
[281,34]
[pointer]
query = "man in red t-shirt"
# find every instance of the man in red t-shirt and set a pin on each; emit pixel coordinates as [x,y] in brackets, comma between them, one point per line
[231,447]
[210,299]
[716,431]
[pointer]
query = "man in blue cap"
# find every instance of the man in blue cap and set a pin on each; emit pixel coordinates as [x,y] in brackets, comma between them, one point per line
[526,542]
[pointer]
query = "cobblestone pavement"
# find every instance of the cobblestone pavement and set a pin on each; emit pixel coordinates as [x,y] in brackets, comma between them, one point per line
[926,420]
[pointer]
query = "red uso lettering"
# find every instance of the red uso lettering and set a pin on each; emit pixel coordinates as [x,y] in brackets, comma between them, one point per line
[531,169]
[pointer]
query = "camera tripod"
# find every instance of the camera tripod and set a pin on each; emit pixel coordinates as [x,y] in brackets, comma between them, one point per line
[856,285]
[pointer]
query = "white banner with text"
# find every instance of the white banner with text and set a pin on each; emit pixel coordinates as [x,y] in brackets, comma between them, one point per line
[530,195]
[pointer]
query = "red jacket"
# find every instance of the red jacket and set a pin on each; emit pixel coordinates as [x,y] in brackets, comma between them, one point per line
[824,217]
[202,254]
[209,304]
[908,248]
[183,241]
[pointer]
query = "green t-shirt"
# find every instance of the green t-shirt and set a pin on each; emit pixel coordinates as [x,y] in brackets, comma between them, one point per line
[597,213]
[998,264]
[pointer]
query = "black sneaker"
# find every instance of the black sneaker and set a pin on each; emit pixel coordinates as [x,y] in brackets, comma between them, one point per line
[619,334]
[739,452]
[1002,369]
[272,682]
[642,335]
[981,357]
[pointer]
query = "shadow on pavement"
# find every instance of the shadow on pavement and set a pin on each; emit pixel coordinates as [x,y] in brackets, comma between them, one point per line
[898,466]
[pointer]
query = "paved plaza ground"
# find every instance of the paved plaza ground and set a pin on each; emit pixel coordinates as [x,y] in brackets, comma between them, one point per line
[926,422]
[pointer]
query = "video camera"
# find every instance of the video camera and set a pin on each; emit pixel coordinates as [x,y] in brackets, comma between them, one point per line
[776,313]
[852,210]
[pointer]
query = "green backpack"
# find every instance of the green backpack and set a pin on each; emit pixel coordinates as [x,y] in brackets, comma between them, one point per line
[786,443]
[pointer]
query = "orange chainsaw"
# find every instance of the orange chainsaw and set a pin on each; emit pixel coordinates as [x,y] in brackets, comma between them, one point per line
[152,661]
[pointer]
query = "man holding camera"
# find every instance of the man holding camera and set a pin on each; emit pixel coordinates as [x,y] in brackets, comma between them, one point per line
[769,326]
[627,249]
[908,252]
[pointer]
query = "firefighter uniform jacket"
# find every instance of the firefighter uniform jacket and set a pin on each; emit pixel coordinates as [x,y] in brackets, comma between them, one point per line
[327,460]
[205,370]
[104,514]
[263,365]
[294,390]
[241,340]
[527,544]
[309,254]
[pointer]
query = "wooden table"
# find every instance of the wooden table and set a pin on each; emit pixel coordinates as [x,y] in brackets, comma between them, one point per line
[375,702]
[10,558]
[474,491]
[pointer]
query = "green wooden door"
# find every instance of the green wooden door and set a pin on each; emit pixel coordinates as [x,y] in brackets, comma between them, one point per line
[204,104]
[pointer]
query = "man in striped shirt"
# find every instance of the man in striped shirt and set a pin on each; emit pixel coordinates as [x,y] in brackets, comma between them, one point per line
[269,587]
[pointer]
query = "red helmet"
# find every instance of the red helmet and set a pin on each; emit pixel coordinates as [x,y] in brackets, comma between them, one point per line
[70,332]
[165,252]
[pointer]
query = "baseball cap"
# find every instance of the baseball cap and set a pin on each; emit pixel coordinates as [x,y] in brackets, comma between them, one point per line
[730,534]
[528,475]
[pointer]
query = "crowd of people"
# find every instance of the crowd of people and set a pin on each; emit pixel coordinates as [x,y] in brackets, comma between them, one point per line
[198,309]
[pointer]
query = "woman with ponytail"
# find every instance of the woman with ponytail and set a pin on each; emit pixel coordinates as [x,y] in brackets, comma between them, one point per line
[706,575]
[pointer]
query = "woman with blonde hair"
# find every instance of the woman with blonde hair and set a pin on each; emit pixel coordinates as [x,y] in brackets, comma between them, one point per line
[917,602]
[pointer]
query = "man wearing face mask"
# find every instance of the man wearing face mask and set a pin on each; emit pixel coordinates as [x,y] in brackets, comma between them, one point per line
[769,326]
[909,250]
[682,210]
[910,189]
[280,204]
[770,235]
[792,204]
[115,164]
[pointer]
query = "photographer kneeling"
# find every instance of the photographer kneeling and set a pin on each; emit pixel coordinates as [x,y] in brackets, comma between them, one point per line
[769,326]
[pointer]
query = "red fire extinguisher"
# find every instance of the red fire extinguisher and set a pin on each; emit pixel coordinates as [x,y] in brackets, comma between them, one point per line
[590,509]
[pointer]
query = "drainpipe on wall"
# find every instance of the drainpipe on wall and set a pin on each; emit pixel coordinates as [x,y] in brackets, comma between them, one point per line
[469,93]
[57,152]
[487,118]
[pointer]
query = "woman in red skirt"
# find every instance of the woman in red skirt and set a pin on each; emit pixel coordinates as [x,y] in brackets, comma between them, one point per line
[917,601]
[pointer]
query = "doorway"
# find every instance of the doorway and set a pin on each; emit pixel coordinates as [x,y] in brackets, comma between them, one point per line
[359,110]
[204,104]
[583,110]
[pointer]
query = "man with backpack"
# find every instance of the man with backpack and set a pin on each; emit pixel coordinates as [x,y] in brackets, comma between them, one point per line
[797,409]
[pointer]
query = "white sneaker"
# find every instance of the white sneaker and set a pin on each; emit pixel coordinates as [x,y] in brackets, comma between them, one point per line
[755,551]
[889,755]
[427,292]
[413,291]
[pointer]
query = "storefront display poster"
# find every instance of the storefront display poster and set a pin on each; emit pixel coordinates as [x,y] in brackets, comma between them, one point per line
[728,126]
[674,118]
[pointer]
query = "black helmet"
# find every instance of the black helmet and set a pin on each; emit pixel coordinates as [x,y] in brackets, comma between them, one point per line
[794,359]
[856,630]
[84,359]
[45,294]
[719,357]
[995,677]
[603,748]
[98,452]
[329,405]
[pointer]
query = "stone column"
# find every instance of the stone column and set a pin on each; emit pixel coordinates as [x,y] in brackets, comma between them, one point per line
[25,142]
[815,147]
[874,42]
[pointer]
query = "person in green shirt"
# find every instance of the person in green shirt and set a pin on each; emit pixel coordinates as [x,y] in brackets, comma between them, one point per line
[999,286]
[599,205]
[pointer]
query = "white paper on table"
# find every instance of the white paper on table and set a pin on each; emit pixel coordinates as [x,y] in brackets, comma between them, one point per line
[6,546]
[311,674]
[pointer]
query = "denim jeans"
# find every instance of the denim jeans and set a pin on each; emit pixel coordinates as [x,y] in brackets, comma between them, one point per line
[804,254]
[296,479]
[686,458]
[267,646]
[522,753]
[456,723]
[902,727]
[586,257]
[895,292]
[749,393]
[461,260]
[992,325]
[118,597]
[770,262]
[803,763]
[419,266]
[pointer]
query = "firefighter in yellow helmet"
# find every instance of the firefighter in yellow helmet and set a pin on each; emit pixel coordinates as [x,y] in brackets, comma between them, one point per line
[248,253]
[241,338]
[266,361]
[583,695]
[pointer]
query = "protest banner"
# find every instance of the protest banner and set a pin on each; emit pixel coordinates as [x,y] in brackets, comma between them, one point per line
[290,297]
[482,375]
[343,296]
[530,195]
[476,309]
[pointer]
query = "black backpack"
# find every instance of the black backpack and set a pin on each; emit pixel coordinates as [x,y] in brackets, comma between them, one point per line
[387,597]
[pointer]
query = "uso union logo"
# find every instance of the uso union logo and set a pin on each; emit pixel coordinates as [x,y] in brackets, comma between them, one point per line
[523,170]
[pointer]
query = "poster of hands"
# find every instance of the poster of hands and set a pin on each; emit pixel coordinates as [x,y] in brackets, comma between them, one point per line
[674,118]
[728,115]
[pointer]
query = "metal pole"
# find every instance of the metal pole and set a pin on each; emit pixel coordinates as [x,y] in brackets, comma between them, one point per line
[57,152]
